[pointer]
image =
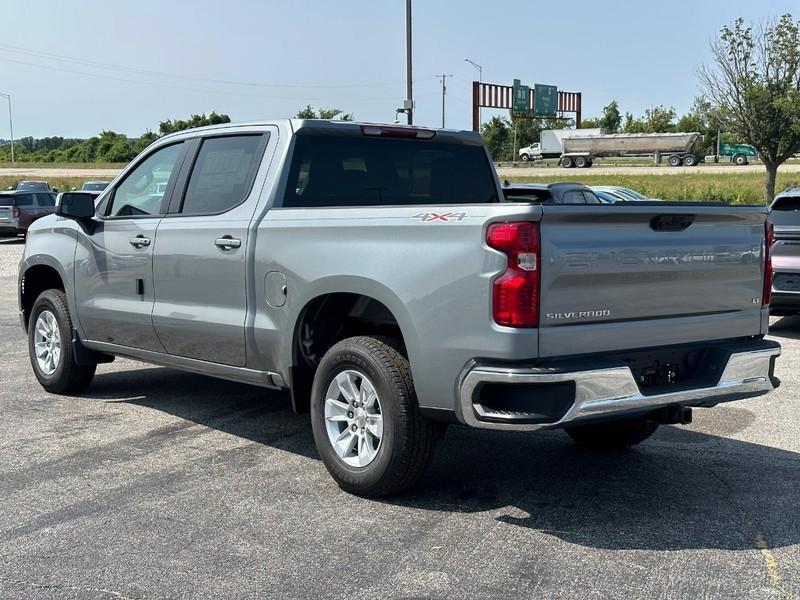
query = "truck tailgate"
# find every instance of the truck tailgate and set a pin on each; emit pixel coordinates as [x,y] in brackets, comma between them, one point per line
[636,276]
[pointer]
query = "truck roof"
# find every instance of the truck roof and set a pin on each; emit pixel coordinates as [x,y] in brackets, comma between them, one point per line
[342,127]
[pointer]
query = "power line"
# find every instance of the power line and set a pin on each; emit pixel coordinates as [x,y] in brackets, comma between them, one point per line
[139,71]
[168,85]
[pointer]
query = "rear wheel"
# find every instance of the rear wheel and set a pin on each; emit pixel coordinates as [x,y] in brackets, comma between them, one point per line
[689,160]
[674,161]
[366,422]
[581,162]
[50,346]
[566,162]
[613,434]
[740,159]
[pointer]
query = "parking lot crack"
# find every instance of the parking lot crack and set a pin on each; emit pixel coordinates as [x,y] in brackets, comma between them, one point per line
[67,587]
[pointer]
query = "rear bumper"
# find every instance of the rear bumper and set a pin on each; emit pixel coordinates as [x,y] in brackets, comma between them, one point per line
[784,301]
[607,391]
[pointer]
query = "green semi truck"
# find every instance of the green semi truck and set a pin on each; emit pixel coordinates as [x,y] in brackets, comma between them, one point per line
[738,154]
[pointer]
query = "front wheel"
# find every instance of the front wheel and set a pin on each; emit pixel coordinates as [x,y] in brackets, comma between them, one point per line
[566,162]
[740,160]
[50,346]
[365,418]
[525,158]
[613,434]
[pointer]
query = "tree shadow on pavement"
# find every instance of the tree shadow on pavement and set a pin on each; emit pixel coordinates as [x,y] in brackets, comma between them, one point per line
[683,489]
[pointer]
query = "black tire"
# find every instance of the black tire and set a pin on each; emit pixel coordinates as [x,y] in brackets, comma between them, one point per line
[674,161]
[613,434]
[740,160]
[525,158]
[581,162]
[689,160]
[566,162]
[406,446]
[68,377]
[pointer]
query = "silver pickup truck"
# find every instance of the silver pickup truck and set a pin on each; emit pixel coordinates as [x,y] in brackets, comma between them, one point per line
[379,274]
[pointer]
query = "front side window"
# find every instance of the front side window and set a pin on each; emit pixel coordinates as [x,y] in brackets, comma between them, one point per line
[141,192]
[366,171]
[222,174]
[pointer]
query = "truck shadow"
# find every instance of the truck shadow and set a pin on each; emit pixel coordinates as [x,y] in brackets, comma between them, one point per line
[686,488]
[786,327]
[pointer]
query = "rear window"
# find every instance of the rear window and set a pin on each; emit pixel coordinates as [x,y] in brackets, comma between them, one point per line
[355,171]
[786,211]
[6,200]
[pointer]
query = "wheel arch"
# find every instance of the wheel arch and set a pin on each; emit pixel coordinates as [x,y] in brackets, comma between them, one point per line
[36,276]
[357,306]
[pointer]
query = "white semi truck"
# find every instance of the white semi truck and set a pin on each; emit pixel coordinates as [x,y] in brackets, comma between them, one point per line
[579,147]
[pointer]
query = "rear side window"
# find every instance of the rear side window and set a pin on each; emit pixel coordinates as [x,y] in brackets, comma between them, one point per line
[786,211]
[222,174]
[6,200]
[573,197]
[362,171]
[46,199]
[24,199]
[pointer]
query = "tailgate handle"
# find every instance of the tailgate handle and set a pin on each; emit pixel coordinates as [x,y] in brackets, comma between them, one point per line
[671,222]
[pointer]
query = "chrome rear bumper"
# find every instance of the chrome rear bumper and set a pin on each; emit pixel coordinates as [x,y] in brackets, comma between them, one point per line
[610,391]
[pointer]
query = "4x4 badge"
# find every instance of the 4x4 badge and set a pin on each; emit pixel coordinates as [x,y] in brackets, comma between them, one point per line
[429,217]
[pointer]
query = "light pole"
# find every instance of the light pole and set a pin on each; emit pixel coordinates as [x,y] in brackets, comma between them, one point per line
[480,79]
[409,104]
[10,122]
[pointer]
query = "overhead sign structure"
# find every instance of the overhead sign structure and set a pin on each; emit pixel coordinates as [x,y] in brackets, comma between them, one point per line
[521,99]
[545,100]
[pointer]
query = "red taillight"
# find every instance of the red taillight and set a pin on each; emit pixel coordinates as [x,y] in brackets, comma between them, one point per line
[15,213]
[769,239]
[515,294]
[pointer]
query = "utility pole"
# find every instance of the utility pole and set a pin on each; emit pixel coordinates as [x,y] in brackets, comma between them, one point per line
[409,104]
[10,123]
[480,79]
[444,92]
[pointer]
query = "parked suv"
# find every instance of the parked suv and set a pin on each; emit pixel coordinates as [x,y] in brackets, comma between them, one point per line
[784,213]
[19,209]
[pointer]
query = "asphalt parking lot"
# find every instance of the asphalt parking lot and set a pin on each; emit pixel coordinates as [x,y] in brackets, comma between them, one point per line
[159,484]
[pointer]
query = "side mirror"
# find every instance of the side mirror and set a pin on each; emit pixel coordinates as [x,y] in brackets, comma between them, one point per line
[54,190]
[75,205]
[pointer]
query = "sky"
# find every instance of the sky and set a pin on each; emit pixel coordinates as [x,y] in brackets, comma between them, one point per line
[76,68]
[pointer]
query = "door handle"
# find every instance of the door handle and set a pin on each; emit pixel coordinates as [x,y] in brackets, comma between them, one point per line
[139,241]
[227,242]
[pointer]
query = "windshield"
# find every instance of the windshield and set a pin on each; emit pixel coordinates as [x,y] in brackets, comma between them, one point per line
[97,186]
[27,186]
[365,171]
[786,211]
[632,193]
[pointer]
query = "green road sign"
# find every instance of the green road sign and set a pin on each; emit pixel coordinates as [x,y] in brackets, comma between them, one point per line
[519,101]
[545,100]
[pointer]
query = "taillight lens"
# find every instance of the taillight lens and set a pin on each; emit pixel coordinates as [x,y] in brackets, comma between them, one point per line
[15,213]
[769,239]
[515,293]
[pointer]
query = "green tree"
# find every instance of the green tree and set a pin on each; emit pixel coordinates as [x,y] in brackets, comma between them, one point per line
[170,126]
[610,122]
[324,113]
[498,136]
[755,80]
